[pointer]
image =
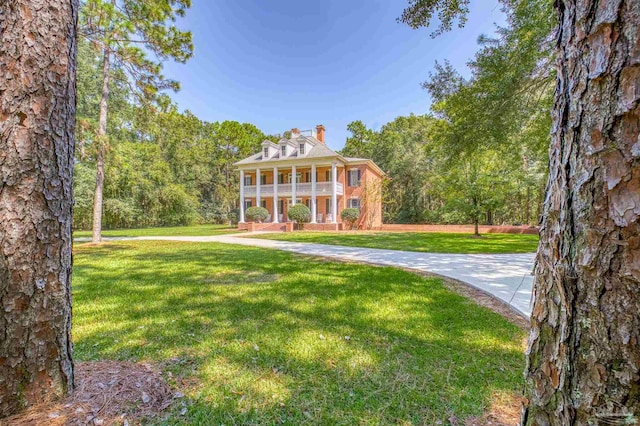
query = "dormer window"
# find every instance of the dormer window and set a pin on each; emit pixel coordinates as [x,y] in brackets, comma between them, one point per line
[301,149]
[284,150]
[265,152]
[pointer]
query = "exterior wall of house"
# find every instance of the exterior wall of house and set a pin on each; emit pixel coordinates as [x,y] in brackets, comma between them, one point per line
[369,192]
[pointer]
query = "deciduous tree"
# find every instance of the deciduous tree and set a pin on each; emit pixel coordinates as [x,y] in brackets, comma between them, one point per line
[584,347]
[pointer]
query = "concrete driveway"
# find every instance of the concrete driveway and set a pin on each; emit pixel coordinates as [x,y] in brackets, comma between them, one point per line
[506,276]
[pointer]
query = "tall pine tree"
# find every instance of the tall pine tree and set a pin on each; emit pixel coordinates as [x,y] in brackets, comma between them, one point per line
[37,118]
[128,32]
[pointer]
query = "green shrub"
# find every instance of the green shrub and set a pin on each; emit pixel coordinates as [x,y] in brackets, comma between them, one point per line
[233,216]
[300,214]
[256,214]
[350,216]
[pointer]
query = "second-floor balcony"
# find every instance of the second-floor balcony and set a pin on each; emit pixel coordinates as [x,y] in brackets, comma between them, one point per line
[323,189]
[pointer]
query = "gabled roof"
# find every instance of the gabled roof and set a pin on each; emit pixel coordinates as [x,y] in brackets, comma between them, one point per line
[318,150]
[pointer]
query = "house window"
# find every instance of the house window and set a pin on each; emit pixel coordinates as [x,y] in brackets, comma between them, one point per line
[247,180]
[265,152]
[264,203]
[298,177]
[307,177]
[247,204]
[281,208]
[263,179]
[354,203]
[301,149]
[327,177]
[327,205]
[280,179]
[354,177]
[284,150]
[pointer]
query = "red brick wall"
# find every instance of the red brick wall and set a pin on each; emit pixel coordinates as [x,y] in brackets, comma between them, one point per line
[484,229]
[370,195]
[323,227]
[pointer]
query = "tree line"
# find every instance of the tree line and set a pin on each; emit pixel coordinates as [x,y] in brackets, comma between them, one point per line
[480,155]
[162,166]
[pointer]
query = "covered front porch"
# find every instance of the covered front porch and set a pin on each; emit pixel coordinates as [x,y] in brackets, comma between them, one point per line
[324,209]
[319,187]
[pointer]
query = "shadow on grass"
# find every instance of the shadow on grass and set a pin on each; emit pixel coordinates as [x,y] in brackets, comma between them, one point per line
[289,339]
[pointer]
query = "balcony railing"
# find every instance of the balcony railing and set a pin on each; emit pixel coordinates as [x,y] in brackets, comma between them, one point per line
[323,189]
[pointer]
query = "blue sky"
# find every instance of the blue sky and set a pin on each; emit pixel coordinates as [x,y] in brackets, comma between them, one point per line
[295,63]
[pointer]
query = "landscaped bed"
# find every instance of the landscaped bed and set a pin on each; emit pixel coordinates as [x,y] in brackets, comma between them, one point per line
[254,336]
[432,242]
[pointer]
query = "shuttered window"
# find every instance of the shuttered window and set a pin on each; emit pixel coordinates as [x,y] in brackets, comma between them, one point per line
[354,177]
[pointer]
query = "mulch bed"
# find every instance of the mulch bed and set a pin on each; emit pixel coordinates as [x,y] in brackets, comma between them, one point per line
[106,393]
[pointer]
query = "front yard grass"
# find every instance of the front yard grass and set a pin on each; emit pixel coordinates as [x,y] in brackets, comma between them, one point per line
[186,231]
[254,336]
[431,242]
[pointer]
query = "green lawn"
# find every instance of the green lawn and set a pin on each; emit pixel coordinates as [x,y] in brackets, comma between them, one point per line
[432,242]
[195,230]
[267,337]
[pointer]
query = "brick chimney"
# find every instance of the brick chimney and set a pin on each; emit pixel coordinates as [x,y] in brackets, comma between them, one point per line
[320,132]
[295,133]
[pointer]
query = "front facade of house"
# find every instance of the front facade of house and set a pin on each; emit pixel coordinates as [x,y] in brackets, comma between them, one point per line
[303,169]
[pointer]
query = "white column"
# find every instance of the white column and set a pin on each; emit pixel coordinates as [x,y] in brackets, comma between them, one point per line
[293,185]
[258,188]
[334,193]
[275,195]
[241,196]
[313,193]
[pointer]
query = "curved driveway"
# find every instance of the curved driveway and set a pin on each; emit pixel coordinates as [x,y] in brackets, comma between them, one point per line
[506,276]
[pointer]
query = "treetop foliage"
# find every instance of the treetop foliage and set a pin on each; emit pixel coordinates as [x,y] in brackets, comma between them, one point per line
[131,29]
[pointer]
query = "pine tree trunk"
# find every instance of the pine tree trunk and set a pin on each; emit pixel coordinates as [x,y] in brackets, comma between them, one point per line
[37,120]
[527,207]
[102,140]
[584,348]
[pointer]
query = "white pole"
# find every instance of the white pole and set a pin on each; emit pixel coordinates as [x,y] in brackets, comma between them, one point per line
[275,195]
[334,193]
[241,196]
[313,193]
[294,181]
[258,188]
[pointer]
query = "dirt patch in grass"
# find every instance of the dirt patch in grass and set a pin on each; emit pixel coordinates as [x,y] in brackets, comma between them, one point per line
[241,277]
[107,393]
[504,411]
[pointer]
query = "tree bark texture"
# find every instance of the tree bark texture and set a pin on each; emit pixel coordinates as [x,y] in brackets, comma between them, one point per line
[37,120]
[102,148]
[583,356]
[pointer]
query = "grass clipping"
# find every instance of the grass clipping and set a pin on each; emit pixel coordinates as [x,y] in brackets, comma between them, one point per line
[106,393]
